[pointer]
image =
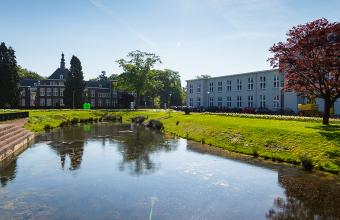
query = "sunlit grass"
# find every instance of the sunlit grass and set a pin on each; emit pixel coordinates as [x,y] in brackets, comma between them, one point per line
[277,140]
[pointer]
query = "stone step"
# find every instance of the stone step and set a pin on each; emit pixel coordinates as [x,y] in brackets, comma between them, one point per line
[5,127]
[10,132]
[18,140]
[12,138]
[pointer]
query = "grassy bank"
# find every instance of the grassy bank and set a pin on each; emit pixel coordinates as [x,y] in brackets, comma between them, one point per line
[40,120]
[278,140]
[292,141]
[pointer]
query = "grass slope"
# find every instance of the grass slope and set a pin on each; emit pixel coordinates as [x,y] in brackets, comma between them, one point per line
[279,140]
[39,120]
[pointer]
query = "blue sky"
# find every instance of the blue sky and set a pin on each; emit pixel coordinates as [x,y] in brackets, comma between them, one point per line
[194,37]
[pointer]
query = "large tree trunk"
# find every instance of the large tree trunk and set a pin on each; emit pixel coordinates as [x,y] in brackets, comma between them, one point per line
[326,112]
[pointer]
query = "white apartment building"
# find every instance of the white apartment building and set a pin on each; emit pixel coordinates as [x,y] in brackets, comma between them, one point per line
[261,89]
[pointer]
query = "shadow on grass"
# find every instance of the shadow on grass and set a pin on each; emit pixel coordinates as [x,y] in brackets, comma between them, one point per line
[330,132]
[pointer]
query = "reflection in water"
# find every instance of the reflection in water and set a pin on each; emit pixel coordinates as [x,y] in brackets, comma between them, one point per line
[9,173]
[135,143]
[74,151]
[190,184]
[136,148]
[307,197]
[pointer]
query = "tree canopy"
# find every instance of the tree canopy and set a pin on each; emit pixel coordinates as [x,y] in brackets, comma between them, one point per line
[74,85]
[101,77]
[113,76]
[9,77]
[170,91]
[310,61]
[28,74]
[138,76]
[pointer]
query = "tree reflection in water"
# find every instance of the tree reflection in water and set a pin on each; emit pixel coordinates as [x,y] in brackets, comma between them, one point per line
[307,197]
[138,146]
[68,143]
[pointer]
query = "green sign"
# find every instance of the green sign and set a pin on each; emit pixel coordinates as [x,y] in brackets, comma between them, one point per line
[86,106]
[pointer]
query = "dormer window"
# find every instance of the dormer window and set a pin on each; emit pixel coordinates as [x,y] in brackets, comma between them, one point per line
[61,77]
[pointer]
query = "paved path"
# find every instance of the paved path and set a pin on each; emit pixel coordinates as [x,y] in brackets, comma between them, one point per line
[18,122]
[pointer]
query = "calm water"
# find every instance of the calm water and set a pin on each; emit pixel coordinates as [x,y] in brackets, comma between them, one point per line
[107,171]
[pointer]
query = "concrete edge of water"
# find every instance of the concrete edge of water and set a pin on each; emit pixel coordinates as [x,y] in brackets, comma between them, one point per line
[10,153]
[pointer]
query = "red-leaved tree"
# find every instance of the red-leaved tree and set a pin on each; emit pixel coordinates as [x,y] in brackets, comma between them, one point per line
[310,61]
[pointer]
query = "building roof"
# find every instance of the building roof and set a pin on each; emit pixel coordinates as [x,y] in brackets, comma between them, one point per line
[28,82]
[104,84]
[60,71]
[237,74]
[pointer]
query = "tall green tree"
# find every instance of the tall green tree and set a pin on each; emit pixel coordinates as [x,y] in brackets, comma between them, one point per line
[101,77]
[9,77]
[170,91]
[113,76]
[74,85]
[138,76]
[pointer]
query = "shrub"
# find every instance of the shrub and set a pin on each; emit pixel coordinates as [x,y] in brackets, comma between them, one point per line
[74,120]
[263,111]
[248,110]
[255,152]
[306,162]
[155,124]
[47,127]
[187,110]
[138,119]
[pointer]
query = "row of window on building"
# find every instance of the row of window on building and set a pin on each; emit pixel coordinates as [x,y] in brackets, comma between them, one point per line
[51,102]
[262,83]
[60,92]
[100,94]
[239,102]
[56,83]
[60,102]
[50,91]
[103,102]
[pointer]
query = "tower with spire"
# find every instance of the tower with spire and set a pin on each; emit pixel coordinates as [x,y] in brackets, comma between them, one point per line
[62,62]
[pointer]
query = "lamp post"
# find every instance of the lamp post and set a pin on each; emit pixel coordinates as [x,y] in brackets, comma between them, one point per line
[208,93]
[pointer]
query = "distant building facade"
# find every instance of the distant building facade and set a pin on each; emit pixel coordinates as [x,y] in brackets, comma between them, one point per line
[101,94]
[49,93]
[261,89]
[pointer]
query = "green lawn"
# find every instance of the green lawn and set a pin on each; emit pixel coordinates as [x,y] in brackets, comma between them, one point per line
[274,139]
[39,120]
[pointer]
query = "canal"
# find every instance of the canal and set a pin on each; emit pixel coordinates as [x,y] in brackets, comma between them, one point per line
[109,171]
